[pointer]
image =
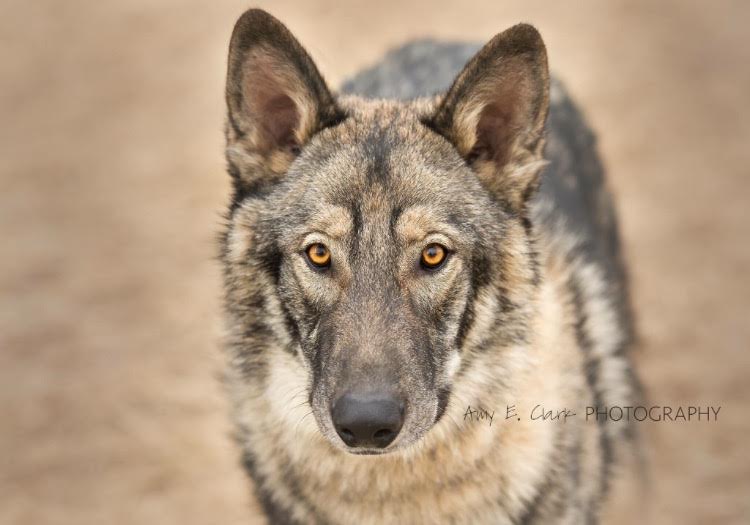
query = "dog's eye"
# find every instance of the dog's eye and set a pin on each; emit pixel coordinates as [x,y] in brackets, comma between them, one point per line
[319,255]
[433,256]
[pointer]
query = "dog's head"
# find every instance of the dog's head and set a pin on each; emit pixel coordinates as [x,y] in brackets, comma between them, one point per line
[379,242]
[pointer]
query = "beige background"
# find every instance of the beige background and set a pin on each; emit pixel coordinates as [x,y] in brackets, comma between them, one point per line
[112,188]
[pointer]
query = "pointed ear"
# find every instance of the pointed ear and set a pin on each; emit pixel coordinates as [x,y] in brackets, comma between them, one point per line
[494,113]
[276,100]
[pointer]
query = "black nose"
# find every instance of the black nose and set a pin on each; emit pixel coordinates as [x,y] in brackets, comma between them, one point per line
[368,420]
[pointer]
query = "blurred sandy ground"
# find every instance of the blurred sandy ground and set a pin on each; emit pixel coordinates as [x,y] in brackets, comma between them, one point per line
[110,198]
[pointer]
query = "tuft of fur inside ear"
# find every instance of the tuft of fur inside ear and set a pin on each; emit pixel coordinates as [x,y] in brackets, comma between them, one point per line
[276,100]
[494,113]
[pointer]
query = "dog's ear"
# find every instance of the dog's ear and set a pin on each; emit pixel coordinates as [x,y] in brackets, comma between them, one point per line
[494,113]
[276,100]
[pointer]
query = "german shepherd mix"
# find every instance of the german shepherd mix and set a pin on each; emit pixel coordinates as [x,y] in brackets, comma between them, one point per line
[412,273]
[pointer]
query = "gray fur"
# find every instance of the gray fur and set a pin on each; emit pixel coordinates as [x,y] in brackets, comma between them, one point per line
[531,306]
[573,182]
[573,194]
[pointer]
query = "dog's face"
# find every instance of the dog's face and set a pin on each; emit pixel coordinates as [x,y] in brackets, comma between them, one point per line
[377,253]
[375,225]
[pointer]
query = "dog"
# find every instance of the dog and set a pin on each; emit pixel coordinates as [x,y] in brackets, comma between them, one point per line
[424,287]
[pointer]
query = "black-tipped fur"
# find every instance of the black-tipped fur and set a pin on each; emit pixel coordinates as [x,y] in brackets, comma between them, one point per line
[529,307]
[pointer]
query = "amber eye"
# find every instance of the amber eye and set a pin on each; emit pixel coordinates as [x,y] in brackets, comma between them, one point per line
[433,256]
[319,255]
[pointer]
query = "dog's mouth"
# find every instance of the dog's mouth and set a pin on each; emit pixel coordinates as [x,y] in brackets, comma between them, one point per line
[368,452]
[402,442]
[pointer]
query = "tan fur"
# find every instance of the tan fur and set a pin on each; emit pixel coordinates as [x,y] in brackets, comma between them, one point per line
[506,458]
[375,188]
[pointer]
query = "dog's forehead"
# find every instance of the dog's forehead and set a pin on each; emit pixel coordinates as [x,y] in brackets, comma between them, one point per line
[384,150]
[378,164]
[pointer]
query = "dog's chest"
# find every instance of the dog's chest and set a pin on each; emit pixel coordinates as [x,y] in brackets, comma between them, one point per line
[459,475]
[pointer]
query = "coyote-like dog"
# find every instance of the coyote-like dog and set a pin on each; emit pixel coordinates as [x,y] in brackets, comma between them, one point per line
[424,287]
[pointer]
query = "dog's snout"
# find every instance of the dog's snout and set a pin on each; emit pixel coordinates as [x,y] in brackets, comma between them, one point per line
[370,420]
